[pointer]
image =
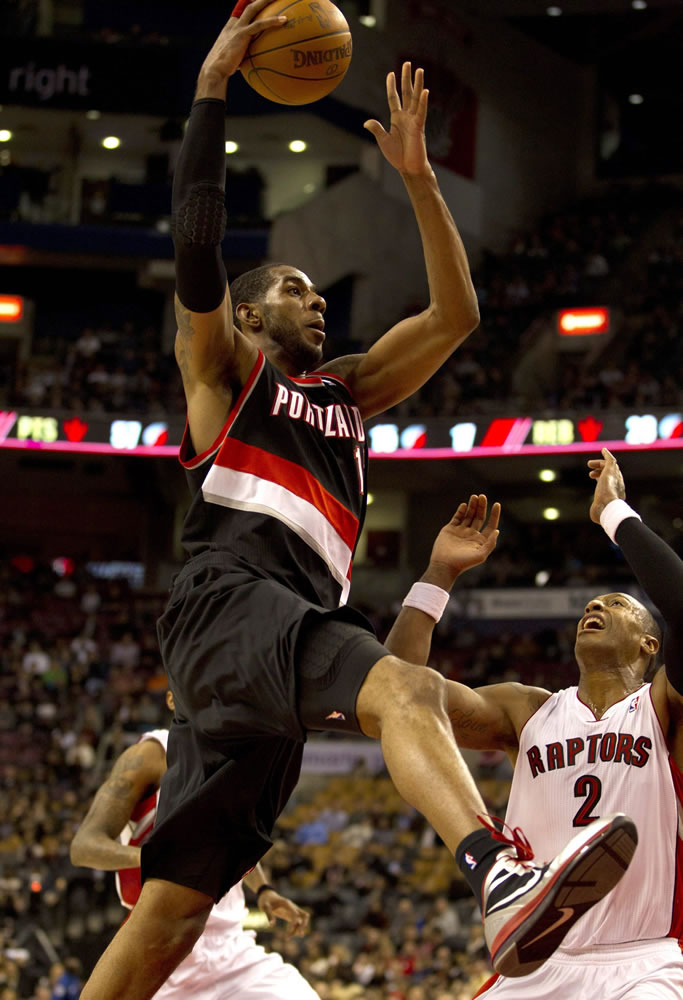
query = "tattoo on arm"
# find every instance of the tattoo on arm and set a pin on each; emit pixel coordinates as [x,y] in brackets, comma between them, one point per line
[467,721]
[112,806]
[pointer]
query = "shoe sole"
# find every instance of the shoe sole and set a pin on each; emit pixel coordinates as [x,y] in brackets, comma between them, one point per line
[586,878]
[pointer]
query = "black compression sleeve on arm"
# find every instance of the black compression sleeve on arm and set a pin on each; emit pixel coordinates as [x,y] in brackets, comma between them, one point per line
[660,573]
[198,207]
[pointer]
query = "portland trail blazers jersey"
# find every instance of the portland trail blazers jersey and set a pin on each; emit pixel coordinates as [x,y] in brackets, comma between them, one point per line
[226,916]
[282,489]
[573,768]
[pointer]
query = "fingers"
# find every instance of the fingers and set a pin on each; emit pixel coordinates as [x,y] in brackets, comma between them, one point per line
[494,521]
[245,12]
[421,112]
[375,127]
[460,513]
[413,96]
[406,85]
[392,94]
[472,514]
[266,22]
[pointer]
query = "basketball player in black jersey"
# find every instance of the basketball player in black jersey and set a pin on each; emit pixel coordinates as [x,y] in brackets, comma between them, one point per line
[256,639]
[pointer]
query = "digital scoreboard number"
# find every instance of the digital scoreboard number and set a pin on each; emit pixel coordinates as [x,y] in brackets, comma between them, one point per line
[434,439]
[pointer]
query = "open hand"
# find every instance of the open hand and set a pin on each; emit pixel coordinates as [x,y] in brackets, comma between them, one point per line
[464,542]
[229,49]
[609,485]
[274,905]
[404,144]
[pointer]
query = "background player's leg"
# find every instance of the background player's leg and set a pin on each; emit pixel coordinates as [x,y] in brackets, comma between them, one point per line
[405,707]
[161,930]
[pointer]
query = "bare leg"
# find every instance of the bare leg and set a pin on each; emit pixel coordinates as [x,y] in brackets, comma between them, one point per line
[406,708]
[161,930]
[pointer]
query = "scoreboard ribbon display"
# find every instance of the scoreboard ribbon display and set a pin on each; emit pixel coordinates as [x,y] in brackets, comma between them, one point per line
[440,438]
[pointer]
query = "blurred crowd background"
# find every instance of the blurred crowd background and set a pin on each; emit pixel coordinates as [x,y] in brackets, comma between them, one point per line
[86,240]
[110,359]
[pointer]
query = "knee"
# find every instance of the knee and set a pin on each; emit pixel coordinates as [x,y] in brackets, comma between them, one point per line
[187,932]
[177,936]
[173,918]
[418,688]
[396,689]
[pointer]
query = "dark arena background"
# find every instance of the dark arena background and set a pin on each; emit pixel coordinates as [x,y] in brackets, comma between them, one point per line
[555,133]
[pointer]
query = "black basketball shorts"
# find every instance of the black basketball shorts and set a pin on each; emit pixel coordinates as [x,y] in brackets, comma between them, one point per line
[252,667]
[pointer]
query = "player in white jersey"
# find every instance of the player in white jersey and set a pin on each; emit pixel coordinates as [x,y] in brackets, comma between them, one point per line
[226,961]
[612,743]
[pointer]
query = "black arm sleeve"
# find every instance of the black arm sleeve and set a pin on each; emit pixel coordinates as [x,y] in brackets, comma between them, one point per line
[660,573]
[198,207]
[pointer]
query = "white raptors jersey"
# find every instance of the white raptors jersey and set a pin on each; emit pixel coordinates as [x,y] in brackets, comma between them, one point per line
[226,916]
[573,768]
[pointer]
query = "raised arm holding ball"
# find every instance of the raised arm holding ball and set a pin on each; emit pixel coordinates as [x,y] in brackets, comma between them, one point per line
[256,639]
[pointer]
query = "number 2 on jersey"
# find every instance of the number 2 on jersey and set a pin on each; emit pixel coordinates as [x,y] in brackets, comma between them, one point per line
[590,788]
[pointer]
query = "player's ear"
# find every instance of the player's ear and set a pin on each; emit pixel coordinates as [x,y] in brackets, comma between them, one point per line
[249,314]
[649,644]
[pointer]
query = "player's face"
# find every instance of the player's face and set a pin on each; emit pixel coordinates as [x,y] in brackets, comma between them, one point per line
[611,622]
[293,318]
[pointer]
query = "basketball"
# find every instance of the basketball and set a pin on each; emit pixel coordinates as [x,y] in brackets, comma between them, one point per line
[303,60]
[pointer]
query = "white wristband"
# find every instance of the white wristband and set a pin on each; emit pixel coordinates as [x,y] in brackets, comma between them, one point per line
[428,598]
[613,514]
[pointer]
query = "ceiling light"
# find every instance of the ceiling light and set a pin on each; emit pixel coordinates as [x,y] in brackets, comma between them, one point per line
[547,475]
[5,135]
[111,142]
[553,11]
[297,145]
[230,146]
[542,577]
[309,188]
[635,98]
[369,20]
[638,4]
[551,513]
[93,115]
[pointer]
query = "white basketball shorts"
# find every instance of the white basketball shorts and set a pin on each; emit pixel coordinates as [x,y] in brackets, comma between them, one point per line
[641,970]
[222,967]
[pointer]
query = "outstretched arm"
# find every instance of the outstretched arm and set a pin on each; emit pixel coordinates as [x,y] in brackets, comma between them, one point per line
[464,542]
[656,566]
[211,352]
[484,718]
[136,773]
[405,357]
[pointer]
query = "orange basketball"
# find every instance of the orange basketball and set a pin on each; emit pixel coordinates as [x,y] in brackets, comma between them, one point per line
[303,60]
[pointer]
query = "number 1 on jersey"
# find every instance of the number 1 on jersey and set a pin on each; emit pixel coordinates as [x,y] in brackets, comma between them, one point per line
[357,454]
